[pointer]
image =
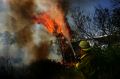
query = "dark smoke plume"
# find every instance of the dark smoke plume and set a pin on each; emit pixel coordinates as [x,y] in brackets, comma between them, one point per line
[24,8]
[20,21]
[64,5]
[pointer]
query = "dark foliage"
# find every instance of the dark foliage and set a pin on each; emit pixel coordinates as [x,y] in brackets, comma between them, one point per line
[107,62]
[44,69]
[107,67]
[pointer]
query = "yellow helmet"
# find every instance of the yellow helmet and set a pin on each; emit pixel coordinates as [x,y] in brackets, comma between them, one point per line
[84,45]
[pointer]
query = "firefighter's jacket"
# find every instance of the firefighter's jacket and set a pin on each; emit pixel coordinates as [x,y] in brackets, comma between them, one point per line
[85,67]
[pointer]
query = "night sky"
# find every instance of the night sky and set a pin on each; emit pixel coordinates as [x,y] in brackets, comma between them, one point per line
[88,8]
[84,4]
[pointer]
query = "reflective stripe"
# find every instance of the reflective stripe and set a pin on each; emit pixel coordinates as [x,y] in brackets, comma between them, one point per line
[83,56]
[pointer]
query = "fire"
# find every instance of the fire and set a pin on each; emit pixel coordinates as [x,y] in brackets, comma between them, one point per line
[51,14]
[46,20]
[56,25]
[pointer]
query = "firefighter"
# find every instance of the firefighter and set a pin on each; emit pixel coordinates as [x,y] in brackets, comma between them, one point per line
[85,65]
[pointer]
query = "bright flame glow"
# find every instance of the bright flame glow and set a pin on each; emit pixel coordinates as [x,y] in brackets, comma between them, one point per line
[50,13]
[57,25]
[44,19]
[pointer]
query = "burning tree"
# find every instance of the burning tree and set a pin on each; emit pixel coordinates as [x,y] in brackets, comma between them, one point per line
[55,22]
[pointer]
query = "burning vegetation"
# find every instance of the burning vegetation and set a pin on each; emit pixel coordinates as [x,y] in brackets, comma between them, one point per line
[35,43]
[53,18]
[26,14]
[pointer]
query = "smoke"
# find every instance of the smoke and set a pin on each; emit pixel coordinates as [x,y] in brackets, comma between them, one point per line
[16,33]
[30,43]
[24,9]
[41,36]
[64,4]
[57,10]
[20,14]
[3,14]
[45,5]
[53,7]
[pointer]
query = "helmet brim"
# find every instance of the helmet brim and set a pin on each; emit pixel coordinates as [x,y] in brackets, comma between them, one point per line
[87,49]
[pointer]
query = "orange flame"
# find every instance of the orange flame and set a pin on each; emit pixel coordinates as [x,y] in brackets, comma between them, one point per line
[58,25]
[44,19]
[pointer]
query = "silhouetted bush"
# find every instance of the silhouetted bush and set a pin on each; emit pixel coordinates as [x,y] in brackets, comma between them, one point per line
[107,62]
[107,67]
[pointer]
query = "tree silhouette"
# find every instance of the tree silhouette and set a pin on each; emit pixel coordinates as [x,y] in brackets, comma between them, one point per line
[82,23]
